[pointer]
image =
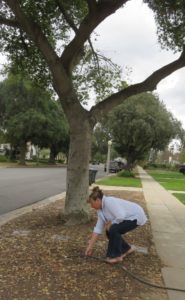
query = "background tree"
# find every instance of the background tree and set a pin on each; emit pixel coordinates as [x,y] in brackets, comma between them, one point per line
[101,135]
[182,147]
[136,127]
[182,156]
[56,136]
[37,35]
[31,115]
[2,136]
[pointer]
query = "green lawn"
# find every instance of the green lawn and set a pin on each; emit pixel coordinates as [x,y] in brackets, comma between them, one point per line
[170,180]
[179,196]
[166,174]
[120,181]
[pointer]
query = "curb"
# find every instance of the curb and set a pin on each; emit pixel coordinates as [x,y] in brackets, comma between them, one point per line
[176,192]
[21,211]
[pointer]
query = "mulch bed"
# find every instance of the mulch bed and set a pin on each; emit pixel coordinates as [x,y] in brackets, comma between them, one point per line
[33,263]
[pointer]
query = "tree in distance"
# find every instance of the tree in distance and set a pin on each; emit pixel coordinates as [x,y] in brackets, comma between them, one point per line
[137,127]
[29,114]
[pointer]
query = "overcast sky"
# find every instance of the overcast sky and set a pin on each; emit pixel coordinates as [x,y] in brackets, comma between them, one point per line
[129,38]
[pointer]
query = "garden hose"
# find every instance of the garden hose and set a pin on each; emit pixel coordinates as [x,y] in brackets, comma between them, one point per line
[128,272]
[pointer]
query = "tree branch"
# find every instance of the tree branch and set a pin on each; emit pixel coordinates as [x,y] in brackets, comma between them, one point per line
[66,16]
[73,26]
[95,55]
[32,30]
[25,46]
[90,22]
[92,4]
[9,22]
[148,84]
[37,36]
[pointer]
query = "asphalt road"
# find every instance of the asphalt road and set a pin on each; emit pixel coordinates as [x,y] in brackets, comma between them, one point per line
[23,186]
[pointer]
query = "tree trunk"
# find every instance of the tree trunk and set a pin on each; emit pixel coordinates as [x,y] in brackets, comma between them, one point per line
[76,209]
[23,149]
[52,155]
[129,165]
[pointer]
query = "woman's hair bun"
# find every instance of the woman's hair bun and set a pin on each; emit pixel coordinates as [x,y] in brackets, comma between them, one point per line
[96,193]
[96,189]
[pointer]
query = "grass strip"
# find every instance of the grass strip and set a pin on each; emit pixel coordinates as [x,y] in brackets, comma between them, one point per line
[180,197]
[120,181]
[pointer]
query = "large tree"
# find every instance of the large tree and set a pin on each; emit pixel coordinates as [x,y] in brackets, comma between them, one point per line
[38,34]
[137,127]
[29,114]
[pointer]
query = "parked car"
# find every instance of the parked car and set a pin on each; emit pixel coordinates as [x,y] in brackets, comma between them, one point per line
[182,169]
[114,166]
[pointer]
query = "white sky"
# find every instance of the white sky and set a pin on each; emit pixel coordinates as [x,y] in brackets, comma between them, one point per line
[129,38]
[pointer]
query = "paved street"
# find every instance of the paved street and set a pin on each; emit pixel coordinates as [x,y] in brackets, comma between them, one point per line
[23,186]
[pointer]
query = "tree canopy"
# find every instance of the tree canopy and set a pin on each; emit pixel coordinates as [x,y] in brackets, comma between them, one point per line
[29,114]
[56,22]
[170,19]
[137,127]
[94,72]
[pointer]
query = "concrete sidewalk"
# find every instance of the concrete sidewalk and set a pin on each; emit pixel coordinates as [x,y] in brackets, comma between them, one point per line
[167,216]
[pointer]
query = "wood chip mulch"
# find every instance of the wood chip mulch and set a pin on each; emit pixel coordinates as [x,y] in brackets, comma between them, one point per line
[33,263]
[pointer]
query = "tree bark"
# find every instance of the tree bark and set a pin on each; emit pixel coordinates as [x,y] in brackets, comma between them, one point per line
[22,154]
[52,155]
[76,208]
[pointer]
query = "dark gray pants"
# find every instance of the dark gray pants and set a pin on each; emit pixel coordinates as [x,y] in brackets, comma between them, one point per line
[117,245]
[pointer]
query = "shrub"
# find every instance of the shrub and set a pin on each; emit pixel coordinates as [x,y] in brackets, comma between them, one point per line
[3,158]
[60,161]
[126,173]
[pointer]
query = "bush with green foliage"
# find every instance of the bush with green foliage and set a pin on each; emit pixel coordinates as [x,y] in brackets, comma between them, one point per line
[126,173]
[3,158]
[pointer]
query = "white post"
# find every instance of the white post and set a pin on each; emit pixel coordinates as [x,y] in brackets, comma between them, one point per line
[108,156]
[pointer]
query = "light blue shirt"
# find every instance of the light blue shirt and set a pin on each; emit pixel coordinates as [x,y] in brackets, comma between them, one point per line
[116,210]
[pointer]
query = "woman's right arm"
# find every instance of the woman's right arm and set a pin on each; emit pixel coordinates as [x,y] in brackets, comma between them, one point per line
[91,244]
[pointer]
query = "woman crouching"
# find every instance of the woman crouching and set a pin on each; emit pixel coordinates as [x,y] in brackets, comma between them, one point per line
[117,216]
